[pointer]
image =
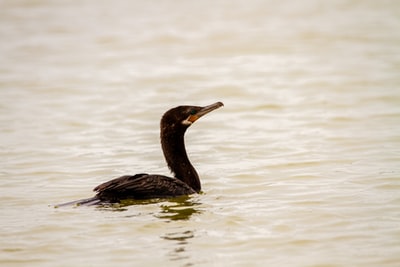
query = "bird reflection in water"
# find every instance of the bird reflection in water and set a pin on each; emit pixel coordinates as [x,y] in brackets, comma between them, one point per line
[181,208]
[181,240]
[173,209]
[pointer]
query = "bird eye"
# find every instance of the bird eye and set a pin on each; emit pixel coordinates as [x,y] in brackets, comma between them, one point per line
[192,112]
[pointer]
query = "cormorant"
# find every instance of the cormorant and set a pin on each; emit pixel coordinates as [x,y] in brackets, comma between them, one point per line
[173,126]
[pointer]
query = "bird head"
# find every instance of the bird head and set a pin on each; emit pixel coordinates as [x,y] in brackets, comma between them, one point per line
[182,117]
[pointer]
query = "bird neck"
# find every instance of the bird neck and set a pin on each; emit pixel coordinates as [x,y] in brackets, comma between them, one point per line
[173,145]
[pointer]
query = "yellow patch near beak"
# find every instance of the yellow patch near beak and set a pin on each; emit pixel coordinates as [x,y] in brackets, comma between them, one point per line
[192,118]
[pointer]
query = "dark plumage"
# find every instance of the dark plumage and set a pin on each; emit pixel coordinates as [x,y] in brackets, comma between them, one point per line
[173,126]
[142,186]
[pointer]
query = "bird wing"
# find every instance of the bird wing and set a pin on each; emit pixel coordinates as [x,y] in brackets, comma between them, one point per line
[142,186]
[118,182]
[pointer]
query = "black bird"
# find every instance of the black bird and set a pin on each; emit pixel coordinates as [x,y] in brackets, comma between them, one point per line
[174,124]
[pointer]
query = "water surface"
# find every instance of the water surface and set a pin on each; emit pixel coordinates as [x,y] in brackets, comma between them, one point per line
[300,168]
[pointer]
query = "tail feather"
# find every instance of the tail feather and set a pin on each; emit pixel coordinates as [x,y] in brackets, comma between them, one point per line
[81,202]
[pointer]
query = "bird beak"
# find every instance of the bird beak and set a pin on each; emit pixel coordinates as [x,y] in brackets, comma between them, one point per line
[208,109]
[203,111]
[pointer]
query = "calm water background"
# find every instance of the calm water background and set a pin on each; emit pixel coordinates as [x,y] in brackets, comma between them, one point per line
[300,168]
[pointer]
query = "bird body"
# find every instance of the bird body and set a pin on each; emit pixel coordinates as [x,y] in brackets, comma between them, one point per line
[142,186]
[173,126]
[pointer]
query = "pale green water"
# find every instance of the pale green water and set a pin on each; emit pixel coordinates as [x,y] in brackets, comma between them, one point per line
[300,168]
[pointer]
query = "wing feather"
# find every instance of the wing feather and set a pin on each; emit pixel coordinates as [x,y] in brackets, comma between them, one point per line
[142,186]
